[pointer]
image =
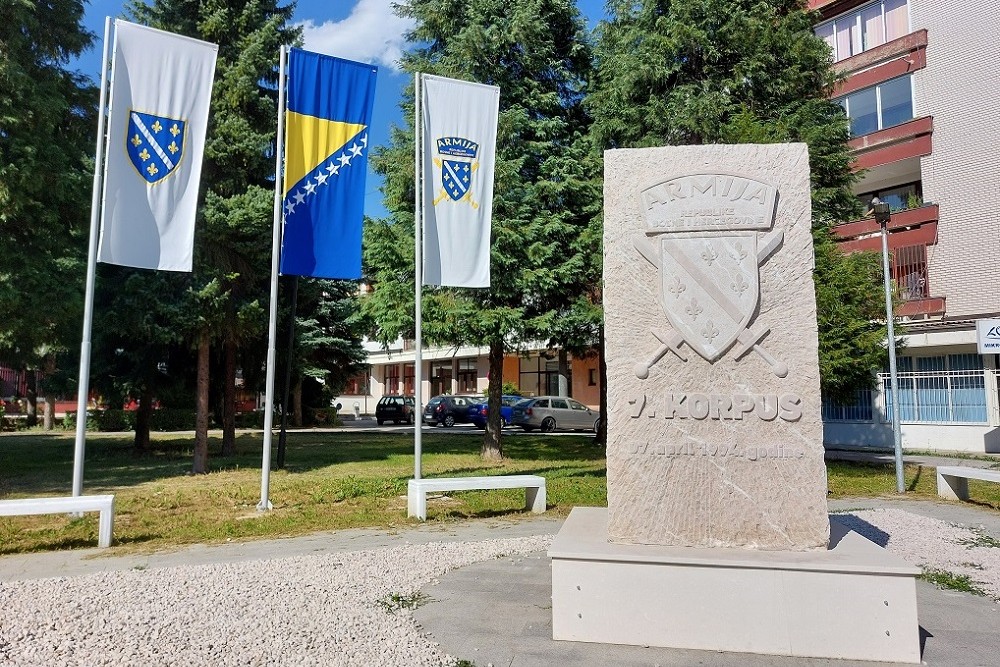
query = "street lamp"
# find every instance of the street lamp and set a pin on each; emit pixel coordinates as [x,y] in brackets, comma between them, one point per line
[882,215]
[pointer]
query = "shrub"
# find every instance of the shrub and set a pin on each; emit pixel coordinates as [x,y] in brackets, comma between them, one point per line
[253,419]
[114,420]
[173,419]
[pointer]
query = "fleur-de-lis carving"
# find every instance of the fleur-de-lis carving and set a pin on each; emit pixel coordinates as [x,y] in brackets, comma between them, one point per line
[741,253]
[676,287]
[709,254]
[739,285]
[709,332]
[694,309]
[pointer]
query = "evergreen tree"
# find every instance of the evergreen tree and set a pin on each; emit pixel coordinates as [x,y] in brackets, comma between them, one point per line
[232,243]
[47,120]
[538,54]
[674,72]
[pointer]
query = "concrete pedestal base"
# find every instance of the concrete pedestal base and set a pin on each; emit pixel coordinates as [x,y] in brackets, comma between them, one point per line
[852,601]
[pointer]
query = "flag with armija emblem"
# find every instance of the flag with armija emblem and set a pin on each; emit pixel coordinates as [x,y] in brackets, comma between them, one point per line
[459,151]
[329,110]
[161,86]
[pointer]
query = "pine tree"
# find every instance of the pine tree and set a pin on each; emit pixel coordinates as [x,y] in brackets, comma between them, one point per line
[47,130]
[674,72]
[538,54]
[232,244]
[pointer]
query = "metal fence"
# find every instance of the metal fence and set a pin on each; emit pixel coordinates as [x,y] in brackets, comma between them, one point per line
[909,270]
[858,410]
[938,396]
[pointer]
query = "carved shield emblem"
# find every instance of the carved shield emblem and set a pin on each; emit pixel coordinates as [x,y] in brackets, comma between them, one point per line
[155,145]
[710,288]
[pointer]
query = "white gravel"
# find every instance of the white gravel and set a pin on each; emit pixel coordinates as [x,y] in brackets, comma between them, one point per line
[329,609]
[310,610]
[933,544]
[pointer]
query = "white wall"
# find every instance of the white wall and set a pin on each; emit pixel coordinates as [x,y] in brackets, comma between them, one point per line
[960,88]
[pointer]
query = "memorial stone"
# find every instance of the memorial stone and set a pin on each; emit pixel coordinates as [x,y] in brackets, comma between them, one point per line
[714,428]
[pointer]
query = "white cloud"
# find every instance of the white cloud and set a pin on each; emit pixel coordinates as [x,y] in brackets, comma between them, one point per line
[372,34]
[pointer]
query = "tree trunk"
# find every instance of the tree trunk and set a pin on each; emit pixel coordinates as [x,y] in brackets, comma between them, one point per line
[31,395]
[143,417]
[563,372]
[200,465]
[602,432]
[49,409]
[229,400]
[297,402]
[492,449]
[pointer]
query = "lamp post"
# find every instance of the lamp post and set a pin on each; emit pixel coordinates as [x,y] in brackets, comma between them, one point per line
[882,215]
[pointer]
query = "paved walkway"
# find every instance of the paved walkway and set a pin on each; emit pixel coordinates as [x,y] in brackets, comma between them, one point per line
[926,460]
[499,613]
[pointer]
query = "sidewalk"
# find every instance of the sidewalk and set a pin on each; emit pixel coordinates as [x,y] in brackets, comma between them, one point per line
[926,460]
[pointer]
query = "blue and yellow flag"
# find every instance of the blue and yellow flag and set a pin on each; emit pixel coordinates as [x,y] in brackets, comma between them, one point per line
[326,160]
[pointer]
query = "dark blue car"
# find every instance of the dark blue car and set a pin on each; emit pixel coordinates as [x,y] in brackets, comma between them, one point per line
[479,411]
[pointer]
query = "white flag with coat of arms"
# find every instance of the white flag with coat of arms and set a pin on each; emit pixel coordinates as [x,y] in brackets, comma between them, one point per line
[459,139]
[161,86]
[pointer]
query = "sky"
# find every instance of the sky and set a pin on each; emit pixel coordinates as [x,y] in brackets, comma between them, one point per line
[361,30]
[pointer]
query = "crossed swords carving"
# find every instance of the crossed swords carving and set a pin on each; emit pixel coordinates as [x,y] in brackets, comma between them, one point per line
[670,340]
[444,193]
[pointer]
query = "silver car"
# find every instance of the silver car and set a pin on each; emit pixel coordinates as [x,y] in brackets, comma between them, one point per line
[550,413]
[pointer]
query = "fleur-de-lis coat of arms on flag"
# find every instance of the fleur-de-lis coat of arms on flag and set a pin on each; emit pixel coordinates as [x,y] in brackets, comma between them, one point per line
[155,144]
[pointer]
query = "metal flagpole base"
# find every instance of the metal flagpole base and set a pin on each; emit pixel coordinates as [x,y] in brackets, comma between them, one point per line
[264,506]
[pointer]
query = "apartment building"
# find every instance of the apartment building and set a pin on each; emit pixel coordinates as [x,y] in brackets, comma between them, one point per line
[922,91]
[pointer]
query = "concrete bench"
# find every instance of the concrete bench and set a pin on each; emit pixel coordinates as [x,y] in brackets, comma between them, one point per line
[103,504]
[953,481]
[417,490]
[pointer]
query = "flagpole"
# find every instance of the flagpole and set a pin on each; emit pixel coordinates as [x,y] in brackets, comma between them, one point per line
[418,277]
[272,326]
[83,385]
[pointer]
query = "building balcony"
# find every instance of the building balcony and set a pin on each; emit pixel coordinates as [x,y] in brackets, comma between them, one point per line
[893,144]
[910,233]
[910,227]
[881,63]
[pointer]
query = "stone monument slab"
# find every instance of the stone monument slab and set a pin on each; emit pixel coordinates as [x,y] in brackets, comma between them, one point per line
[714,426]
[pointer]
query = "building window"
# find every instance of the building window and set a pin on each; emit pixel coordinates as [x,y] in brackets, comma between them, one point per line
[592,377]
[540,376]
[468,376]
[899,198]
[865,28]
[942,389]
[441,378]
[878,107]
[408,376]
[357,385]
[392,379]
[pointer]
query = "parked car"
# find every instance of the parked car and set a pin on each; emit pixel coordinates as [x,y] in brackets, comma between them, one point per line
[479,411]
[398,409]
[551,413]
[447,410]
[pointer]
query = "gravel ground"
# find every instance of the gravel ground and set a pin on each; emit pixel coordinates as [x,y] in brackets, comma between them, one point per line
[933,544]
[330,609]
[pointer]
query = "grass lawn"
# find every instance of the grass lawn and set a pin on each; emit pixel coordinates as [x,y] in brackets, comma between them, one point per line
[330,481]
